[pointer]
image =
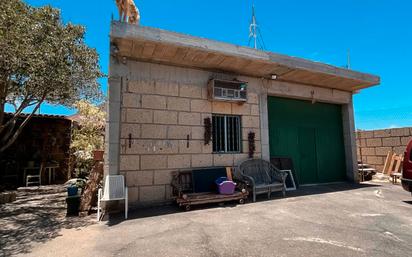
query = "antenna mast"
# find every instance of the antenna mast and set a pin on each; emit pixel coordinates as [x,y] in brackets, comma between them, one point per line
[253,28]
[254,32]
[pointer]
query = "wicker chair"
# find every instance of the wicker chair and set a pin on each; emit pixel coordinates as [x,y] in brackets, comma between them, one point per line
[263,177]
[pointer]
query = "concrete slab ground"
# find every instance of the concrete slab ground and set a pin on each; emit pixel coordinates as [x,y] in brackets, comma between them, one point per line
[333,220]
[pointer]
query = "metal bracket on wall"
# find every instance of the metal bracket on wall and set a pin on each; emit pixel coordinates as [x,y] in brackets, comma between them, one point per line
[187,141]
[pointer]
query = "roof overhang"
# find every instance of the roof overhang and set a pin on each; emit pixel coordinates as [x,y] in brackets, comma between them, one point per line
[165,47]
[37,116]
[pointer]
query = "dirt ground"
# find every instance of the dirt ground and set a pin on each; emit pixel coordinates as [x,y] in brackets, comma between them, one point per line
[330,220]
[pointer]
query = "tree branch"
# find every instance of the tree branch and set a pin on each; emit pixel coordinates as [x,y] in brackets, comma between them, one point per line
[17,113]
[12,139]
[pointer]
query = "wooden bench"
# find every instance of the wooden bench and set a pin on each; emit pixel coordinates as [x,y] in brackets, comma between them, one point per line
[187,193]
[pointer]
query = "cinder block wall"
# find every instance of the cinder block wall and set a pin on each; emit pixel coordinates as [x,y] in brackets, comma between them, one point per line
[375,144]
[161,107]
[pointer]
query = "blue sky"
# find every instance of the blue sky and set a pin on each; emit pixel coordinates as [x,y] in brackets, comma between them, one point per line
[377,32]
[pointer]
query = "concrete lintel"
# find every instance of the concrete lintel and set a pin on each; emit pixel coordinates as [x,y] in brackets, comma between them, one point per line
[304,92]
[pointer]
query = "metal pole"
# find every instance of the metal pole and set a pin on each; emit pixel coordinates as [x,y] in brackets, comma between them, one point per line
[252,28]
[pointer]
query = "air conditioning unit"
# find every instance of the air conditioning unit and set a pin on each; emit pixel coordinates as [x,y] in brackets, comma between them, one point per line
[227,90]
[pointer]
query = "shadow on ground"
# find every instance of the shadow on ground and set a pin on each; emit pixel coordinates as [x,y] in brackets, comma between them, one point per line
[140,213]
[329,188]
[36,217]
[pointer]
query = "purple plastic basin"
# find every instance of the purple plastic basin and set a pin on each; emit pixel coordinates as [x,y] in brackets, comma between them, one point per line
[225,187]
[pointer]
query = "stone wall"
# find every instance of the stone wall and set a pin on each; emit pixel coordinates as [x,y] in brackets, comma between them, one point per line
[160,108]
[373,146]
[44,137]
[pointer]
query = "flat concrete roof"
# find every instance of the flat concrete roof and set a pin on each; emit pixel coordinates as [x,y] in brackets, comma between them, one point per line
[160,46]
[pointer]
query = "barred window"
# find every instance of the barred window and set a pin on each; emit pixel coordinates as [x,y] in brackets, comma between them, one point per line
[226,134]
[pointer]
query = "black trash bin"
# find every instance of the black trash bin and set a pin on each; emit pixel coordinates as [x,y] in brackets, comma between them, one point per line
[73,204]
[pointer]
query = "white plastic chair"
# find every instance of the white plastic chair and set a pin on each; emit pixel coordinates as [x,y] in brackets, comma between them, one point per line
[33,179]
[114,190]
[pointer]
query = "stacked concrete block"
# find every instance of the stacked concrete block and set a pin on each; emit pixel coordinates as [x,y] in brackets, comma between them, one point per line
[162,129]
[373,146]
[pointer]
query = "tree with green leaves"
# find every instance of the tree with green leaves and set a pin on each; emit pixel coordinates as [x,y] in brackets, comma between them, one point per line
[41,60]
[88,134]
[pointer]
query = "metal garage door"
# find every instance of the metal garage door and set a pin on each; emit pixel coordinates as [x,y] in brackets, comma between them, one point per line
[310,134]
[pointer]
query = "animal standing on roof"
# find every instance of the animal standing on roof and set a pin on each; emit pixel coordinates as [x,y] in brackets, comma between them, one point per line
[128,12]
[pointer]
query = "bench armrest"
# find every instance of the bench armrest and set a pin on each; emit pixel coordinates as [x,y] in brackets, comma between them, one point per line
[176,187]
[279,175]
[174,182]
[249,180]
[284,175]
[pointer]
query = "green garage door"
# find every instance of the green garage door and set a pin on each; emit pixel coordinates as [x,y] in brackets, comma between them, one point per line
[310,134]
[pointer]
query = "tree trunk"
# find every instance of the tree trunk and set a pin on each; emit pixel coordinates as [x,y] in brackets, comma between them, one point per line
[89,197]
[2,99]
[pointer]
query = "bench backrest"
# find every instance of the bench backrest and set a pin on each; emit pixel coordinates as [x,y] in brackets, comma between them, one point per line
[258,169]
[182,181]
[114,187]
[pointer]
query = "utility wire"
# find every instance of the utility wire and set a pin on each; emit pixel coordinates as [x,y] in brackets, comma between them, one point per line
[261,39]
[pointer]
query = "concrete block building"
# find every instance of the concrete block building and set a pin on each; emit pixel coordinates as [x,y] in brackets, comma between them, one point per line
[164,86]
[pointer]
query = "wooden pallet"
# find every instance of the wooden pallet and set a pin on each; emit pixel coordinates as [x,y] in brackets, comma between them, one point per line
[388,160]
[393,166]
[186,196]
[187,200]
